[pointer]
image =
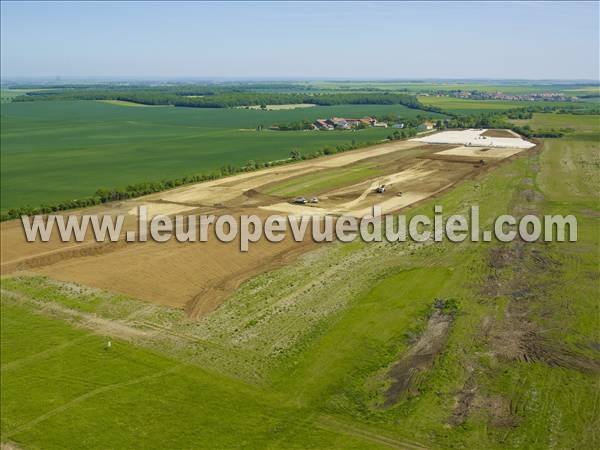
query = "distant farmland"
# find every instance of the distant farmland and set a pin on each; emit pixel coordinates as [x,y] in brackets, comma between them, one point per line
[7,95]
[57,151]
[469,107]
[418,86]
[580,122]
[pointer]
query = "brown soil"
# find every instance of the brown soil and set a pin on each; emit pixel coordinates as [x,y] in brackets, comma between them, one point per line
[499,410]
[196,276]
[500,134]
[518,339]
[418,359]
[464,402]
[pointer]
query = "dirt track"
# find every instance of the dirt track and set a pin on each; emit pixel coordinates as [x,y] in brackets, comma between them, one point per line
[199,276]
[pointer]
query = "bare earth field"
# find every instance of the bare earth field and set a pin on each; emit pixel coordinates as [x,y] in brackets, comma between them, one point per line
[500,133]
[199,276]
[480,152]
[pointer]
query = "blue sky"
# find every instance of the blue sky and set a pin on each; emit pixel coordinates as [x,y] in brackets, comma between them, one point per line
[539,40]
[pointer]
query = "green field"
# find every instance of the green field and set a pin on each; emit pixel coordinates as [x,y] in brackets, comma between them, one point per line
[576,122]
[7,95]
[298,357]
[417,87]
[306,185]
[470,107]
[583,90]
[57,151]
[60,384]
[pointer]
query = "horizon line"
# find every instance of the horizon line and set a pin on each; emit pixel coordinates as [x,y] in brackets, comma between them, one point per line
[59,78]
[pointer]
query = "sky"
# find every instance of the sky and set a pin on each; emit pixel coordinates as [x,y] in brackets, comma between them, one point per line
[295,40]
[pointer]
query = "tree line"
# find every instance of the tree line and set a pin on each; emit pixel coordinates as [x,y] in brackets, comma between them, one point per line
[211,98]
[499,120]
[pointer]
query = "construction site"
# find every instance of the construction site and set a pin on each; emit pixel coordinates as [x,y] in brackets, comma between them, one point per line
[199,277]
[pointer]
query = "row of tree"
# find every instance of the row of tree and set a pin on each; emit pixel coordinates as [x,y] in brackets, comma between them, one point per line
[402,134]
[223,99]
[527,112]
[293,126]
[498,120]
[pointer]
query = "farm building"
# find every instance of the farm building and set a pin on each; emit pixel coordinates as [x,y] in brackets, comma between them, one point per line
[342,123]
[322,124]
[338,122]
[369,121]
[426,126]
[354,122]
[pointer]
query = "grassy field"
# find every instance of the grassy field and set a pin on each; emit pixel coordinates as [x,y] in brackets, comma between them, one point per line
[576,122]
[300,357]
[308,184]
[7,95]
[56,151]
[416,87]
[468,107]
[59,381]
[585,90]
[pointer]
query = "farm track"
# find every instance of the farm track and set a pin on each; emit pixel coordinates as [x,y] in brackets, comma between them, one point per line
[100,325]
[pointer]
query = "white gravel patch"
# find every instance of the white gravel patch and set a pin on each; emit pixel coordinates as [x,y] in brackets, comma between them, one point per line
[473,137]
